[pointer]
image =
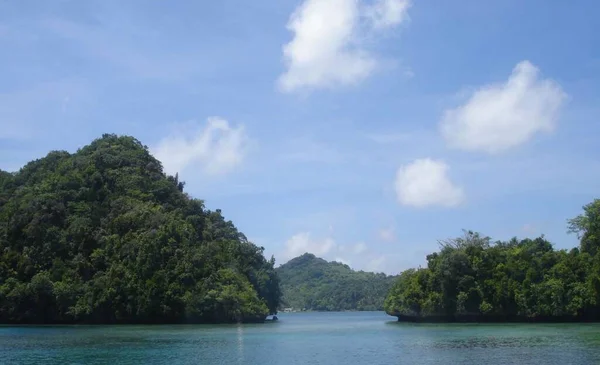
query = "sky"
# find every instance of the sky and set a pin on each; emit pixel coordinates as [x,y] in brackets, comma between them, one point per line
[362,131]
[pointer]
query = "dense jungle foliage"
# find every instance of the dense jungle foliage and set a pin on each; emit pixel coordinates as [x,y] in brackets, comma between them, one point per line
[472,278]
[311,283]
[104,236]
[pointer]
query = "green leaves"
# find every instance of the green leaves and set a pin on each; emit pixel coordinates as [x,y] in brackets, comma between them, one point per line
[311,283]
[104,236]
[470,278]
[587,227]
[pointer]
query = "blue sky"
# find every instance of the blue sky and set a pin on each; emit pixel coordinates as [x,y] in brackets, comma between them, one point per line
[361,131]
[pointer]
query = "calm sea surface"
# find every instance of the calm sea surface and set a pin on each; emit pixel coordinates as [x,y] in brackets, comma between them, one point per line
[369,338]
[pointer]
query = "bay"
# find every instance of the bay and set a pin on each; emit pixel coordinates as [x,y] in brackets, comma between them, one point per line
[349,338]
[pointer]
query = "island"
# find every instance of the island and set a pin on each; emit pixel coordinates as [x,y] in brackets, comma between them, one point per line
[103,235]
[472,279]
[309,283]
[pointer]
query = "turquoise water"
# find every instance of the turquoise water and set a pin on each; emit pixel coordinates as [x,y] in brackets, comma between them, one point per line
[369,338]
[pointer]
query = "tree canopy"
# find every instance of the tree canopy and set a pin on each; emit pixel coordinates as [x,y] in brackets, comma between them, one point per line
[311,283]
[104,236]
[473,278]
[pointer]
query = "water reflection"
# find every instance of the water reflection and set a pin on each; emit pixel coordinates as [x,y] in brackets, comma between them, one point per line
[240,343]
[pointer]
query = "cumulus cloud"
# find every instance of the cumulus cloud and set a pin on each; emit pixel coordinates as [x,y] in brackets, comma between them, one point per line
[215,147]
[326,49]
[498,117]
[425,182]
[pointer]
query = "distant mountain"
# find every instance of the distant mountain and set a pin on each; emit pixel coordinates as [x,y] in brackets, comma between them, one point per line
[311,283]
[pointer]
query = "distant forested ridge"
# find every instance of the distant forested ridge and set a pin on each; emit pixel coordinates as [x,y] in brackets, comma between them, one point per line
[311,283]
[104,236]
[473,279]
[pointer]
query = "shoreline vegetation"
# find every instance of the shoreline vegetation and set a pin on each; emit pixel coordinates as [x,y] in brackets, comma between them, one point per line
[104,236]
[472,279]
[491,319]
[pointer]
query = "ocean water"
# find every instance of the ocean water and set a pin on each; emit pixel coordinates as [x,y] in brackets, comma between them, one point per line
[351,338]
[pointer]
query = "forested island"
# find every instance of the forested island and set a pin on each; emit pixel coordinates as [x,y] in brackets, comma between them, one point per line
[311,283]
[104,236]
[472,278]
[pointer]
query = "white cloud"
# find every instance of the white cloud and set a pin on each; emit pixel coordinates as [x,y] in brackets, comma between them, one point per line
[388,13]
[387,234]
[501,116]
[425,182]
[216,148]
[303,242]
[326,50]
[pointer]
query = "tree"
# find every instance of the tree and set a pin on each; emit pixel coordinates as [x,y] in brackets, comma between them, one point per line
[308,282]
[104,236]
[587,227]
[471,278]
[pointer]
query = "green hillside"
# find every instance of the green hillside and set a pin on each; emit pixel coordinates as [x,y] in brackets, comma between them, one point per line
[311,283]
[104,236]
